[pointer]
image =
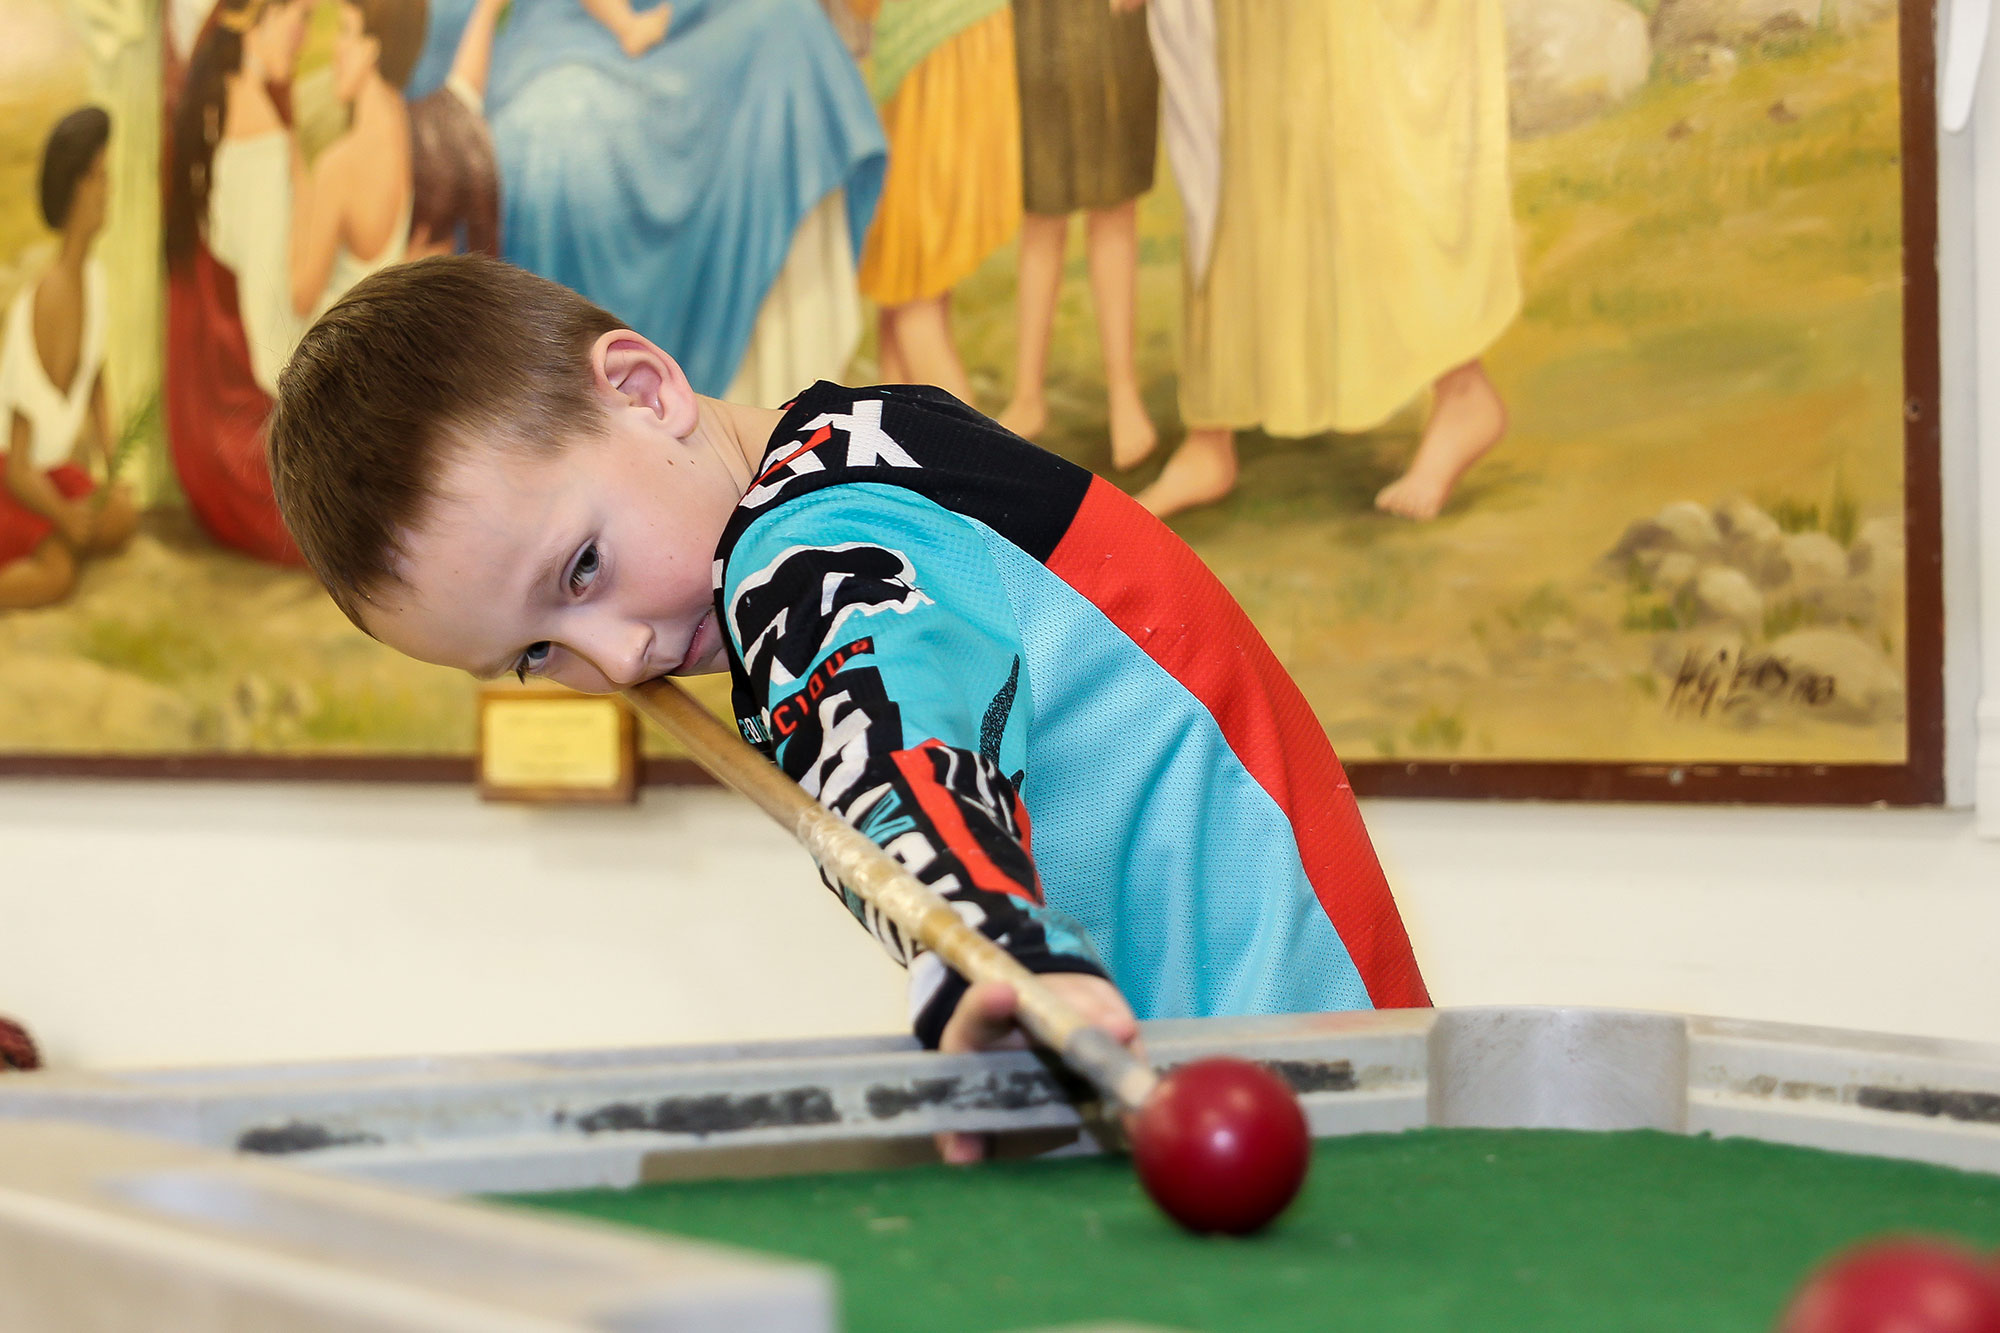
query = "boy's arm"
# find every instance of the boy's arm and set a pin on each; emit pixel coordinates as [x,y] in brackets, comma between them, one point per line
[885,668]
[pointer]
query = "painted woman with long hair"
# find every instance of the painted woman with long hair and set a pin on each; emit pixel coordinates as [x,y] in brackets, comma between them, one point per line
[402,173]
[258,244]
[233,172]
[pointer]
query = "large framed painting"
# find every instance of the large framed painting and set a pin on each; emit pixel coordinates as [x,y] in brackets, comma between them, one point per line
[1553,381]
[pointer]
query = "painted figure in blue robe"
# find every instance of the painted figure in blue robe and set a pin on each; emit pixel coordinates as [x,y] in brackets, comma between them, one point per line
[712,190]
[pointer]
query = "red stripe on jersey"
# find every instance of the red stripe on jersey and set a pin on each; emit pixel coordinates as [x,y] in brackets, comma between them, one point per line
[941,808]
[819,437]
[1158,592]
[1027,830]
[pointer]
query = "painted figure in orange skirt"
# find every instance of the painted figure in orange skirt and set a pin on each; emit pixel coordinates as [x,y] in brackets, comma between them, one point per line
[54,511]
[943,77]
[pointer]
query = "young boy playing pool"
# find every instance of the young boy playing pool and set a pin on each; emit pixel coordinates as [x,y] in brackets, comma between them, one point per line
[992,663]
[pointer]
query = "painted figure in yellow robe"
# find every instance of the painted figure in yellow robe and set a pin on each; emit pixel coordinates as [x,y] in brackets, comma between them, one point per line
[1363,244]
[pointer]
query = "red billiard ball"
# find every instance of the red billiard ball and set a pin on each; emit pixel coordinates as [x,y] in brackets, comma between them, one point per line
[1221,1145]
[17,1048]
[1903,1285]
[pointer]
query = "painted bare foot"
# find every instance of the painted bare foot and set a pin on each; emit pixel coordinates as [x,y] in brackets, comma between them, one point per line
[646,31]
[1133,437]
[1201,471]
[1024,415]
[1467,419]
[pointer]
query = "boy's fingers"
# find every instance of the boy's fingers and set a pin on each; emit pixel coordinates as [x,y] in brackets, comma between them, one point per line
[1100,1003]
[961,1149]
[984,1019]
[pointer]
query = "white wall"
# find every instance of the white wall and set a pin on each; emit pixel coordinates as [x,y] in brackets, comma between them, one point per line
[1960,307]
[155,923]
[1969,256]
[152,924]
[1882,919]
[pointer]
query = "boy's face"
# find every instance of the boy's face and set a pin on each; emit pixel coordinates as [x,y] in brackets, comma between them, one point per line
[589,565]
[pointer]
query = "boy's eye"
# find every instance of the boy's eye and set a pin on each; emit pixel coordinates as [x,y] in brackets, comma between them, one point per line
[584,571]
[531,659]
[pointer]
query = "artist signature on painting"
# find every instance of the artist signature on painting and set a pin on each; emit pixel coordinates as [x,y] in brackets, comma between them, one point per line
[1726,677]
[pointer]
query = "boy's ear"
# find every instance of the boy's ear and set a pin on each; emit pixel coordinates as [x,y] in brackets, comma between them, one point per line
[632,372]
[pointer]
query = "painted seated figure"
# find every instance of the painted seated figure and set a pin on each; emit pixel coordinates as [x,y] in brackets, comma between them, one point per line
[58,505]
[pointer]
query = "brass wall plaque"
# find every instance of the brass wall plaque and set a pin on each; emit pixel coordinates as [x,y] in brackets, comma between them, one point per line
[541,745]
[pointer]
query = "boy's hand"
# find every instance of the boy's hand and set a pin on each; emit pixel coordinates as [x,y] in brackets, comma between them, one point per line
[984,1021]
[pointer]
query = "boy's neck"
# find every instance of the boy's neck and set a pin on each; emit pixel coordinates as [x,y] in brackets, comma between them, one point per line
[739,434]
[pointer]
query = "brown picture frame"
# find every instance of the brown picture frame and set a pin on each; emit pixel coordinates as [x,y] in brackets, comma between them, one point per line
[1919,780]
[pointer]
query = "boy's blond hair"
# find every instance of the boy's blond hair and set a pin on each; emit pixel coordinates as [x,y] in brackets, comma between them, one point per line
[415,361]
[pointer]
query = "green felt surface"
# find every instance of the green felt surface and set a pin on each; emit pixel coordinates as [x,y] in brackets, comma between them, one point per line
[1434,1229]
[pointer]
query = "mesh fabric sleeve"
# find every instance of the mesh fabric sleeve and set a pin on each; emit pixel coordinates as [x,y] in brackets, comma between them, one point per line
[883,657]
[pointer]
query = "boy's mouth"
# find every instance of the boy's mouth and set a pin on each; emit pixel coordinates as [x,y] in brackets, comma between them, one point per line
[697,648]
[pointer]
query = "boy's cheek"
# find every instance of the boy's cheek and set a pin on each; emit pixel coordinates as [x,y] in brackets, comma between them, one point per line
[584,679]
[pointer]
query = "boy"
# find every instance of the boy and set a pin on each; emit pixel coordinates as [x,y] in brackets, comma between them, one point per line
[991,662]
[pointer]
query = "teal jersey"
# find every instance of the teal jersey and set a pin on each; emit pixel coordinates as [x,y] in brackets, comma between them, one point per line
[1032,694]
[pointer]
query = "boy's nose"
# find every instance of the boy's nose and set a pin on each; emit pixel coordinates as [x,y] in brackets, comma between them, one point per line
[624,654]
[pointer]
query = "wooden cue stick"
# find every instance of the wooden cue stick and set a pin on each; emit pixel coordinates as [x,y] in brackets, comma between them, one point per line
[876,877]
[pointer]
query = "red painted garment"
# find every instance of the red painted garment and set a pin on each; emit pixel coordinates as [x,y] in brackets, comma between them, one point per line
[21,528]
[216,413]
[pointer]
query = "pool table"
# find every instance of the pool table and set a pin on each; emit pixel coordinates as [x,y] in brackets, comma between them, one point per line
[1475,1168]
